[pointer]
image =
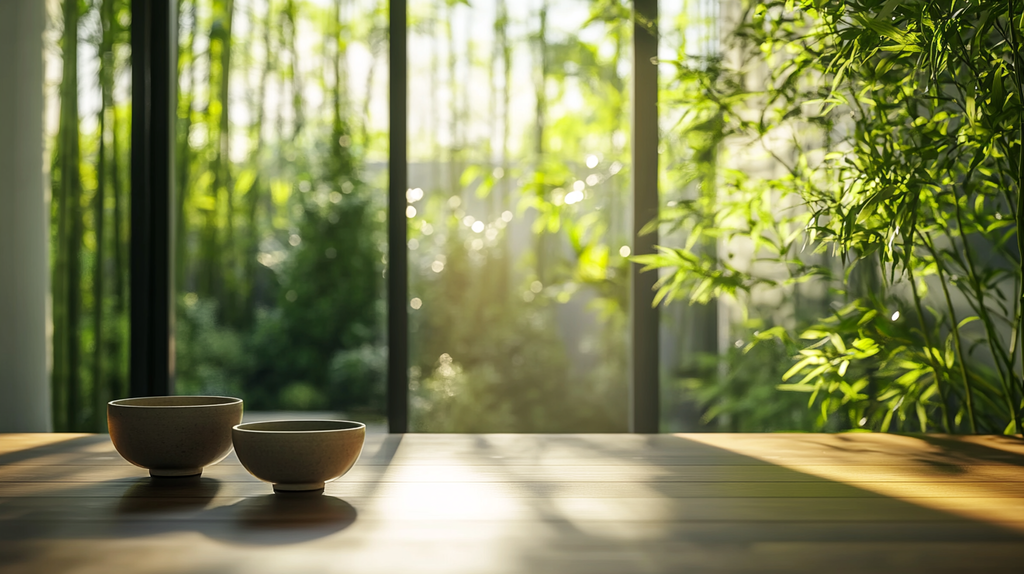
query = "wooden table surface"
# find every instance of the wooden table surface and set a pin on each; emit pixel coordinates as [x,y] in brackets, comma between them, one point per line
[532,503]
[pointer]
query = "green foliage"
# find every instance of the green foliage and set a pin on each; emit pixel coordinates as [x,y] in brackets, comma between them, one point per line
[328,303]
[279,250]
[881,153]
[494,344]
[486,360]
[323,285]
[213,359]
[743,396]
[89,209]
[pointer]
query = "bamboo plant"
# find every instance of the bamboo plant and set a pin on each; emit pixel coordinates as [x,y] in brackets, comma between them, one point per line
[870,179]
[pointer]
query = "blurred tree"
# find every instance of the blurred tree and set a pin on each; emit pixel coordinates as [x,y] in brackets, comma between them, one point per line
[281,245]
[329,297]
[88,215]
[67,244]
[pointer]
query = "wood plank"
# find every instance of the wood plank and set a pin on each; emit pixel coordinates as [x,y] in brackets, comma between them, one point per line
[496,531]
[97,450]
[624,445]
[140,487]
[476,548]
[519,473]
[480,506]
[568,450]
[571,450]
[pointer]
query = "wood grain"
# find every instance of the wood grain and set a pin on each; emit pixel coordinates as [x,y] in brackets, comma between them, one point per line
[532,503]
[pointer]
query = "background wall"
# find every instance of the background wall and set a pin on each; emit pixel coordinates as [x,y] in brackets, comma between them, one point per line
[24,377]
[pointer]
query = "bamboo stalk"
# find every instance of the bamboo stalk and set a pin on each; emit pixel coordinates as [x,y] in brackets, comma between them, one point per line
[998,354]
[539,119]
[946,422]
[184,157]
[99,388]
[67,210]
[1017,74]
[968,394]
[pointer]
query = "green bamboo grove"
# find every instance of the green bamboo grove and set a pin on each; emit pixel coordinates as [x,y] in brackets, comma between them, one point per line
[89,201]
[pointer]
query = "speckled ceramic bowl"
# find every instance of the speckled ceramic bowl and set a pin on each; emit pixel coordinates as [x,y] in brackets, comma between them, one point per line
[173,436]
[298,455]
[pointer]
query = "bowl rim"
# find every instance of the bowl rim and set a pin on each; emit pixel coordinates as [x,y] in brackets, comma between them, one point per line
[125,402]
[242,427]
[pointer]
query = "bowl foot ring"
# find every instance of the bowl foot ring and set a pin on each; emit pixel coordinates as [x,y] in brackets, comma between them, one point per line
[175,473]
[299,487]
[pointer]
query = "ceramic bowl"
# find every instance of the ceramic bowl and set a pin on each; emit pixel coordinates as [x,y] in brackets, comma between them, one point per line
[298,455]
[173,436]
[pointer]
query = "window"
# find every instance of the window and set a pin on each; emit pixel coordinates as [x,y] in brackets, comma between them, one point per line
[273,252]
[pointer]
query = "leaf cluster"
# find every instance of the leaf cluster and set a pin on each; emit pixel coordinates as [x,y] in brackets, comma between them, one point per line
[865,155]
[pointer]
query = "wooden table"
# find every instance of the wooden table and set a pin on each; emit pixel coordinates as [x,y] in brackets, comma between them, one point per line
[532,503]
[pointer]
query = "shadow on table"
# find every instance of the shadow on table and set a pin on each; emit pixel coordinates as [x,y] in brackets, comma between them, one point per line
[150,507]
[134,507]
[945,450]
[283,518]
[978,451]
[157,494]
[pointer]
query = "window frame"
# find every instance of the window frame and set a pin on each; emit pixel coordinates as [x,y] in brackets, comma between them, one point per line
[151,320]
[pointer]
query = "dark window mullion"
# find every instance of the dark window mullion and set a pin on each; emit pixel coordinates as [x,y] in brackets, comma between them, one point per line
[644,409]
[398,257]
[153,69]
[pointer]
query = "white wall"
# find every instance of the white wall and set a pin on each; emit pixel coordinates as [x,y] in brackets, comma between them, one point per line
[24,269]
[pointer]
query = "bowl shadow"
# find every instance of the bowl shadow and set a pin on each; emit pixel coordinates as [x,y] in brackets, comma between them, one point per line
[161,494]
[282,518]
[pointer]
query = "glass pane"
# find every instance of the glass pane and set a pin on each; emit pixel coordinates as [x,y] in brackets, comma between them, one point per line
[518,213]
[87,133]
[689,337]
[281,178]
[713,377]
